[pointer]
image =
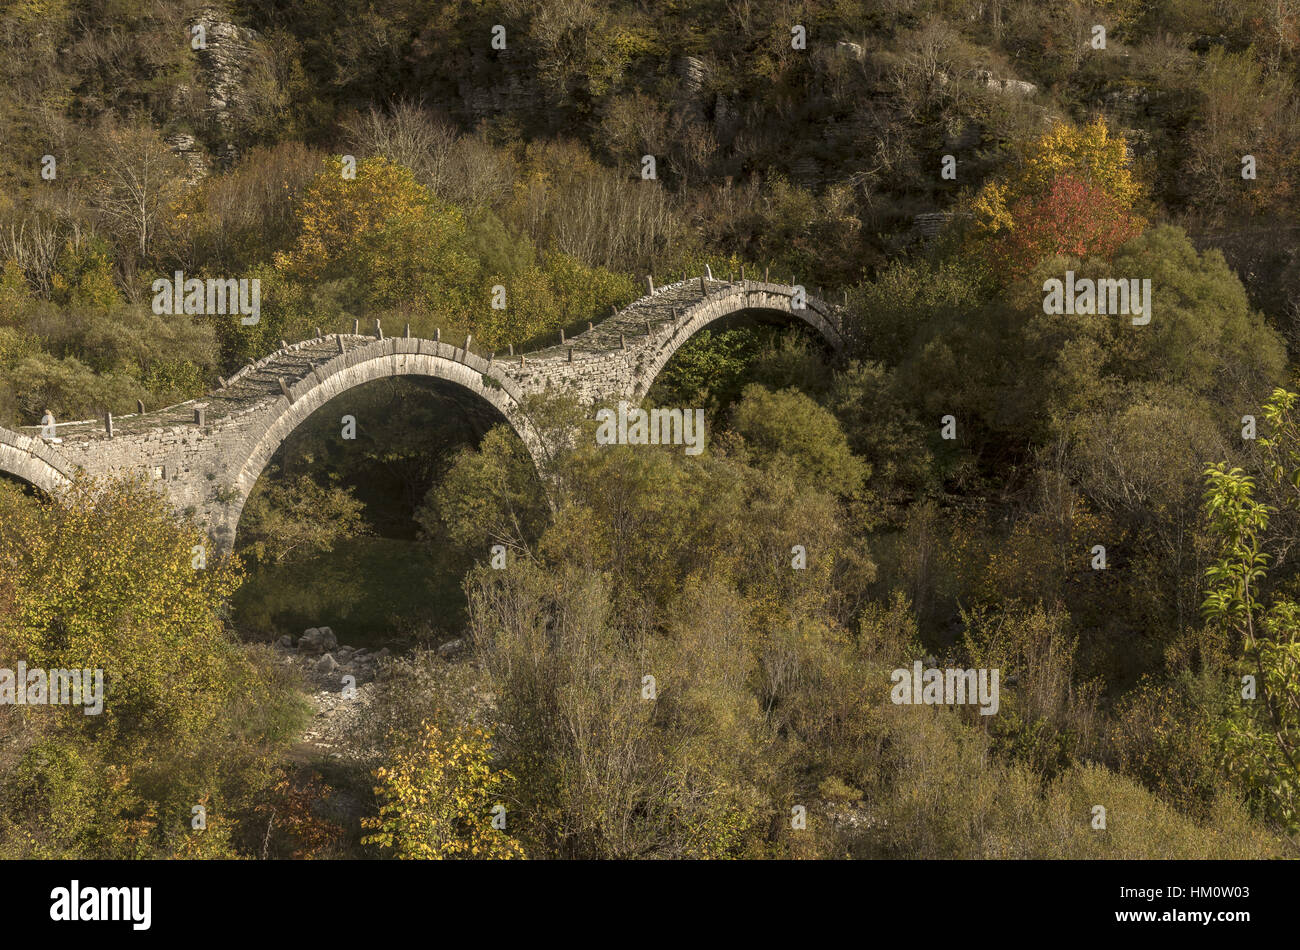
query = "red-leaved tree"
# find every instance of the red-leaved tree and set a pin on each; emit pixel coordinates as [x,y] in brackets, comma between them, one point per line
[1073,217]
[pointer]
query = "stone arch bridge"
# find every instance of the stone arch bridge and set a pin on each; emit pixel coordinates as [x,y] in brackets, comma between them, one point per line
[207,454]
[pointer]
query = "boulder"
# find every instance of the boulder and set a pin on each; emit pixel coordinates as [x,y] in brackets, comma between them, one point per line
[1016,87]
[326,664]
[285,642]
[317,640]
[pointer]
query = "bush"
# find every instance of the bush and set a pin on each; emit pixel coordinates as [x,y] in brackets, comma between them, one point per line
[439,798]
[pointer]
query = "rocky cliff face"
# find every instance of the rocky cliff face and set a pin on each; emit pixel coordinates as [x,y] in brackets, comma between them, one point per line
[225,63]
[192,153]
[230,62]
[491,84]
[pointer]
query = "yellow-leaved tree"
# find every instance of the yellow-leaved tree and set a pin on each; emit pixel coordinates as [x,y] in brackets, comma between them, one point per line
[381,232]
[439,797]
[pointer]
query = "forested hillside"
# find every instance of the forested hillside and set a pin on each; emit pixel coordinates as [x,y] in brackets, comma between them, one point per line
[1102,507]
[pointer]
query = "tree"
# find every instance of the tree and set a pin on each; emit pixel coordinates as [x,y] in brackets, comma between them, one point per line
[1022,375]
[383,242]
[490,495]
[138,180]
[438,799]
[1072,192]
[709,370]
[1071,217]
[103,577]
[788,425]
[299,519]
[244,215]
[1260,738]
[602,771]
[383,234]
[1091,152]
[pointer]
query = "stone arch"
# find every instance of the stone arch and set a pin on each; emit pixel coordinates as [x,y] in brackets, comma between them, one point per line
[32,460]
[382,359]
[771,298]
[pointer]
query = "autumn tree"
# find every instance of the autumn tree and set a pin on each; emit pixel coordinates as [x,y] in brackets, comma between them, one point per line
[1071,217]
[234,219]
[382,242]
[381,232]
[1072,191]
[441,797]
